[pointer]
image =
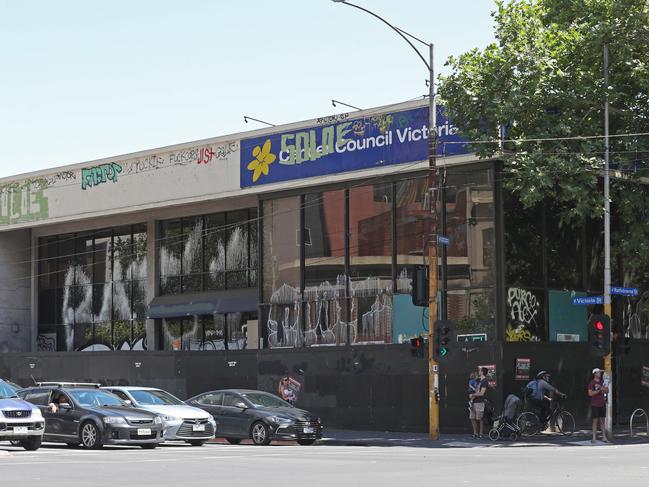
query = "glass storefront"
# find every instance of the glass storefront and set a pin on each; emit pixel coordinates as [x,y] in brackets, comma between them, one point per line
[92,290]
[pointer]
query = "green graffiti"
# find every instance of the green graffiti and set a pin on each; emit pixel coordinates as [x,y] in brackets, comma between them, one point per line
[23,202]
[97,175]
[305,146]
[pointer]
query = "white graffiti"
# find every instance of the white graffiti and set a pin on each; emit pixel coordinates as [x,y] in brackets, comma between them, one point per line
[523,306]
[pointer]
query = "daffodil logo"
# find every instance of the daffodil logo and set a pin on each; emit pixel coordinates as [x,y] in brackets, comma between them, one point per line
[262,159]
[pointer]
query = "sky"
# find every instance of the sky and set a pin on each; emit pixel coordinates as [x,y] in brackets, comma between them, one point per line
[82,80]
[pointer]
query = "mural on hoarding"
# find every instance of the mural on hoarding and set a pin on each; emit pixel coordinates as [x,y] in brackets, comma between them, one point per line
[339,144]
[53,195]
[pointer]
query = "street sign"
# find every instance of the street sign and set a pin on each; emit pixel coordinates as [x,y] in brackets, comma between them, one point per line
[588,300]
[472,337]
[442,240]
[624,291]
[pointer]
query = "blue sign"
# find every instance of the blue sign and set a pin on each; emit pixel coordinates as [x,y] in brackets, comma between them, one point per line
[624,291]
[341,144]
[443,240]
[589,300]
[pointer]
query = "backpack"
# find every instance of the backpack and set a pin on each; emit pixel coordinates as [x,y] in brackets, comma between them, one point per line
[531,389]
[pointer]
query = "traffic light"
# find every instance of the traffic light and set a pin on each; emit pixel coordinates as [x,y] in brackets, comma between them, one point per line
[599,335]
[419,291]
[443,338]
[417,346]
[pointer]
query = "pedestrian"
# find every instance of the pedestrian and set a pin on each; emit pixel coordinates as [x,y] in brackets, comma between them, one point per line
[477,398]
[285,391]
[597,389]
[473,387]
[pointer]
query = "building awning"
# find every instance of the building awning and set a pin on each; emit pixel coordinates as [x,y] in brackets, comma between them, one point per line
[181,305]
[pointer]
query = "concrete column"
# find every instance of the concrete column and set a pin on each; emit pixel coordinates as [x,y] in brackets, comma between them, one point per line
[152,281]
[15,291]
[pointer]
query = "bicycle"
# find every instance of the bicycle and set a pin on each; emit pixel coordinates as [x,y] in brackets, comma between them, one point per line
[530,424]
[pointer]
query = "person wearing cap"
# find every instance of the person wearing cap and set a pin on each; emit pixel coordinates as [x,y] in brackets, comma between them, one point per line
[597,392]
[542,395]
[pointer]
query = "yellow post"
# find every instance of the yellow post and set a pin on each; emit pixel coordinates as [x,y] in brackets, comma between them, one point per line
[608,369]
[433,372]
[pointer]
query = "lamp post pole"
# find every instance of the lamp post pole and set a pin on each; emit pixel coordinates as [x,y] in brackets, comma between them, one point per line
[433,373]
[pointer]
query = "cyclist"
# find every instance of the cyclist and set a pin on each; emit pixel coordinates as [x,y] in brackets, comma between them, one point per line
[541,395]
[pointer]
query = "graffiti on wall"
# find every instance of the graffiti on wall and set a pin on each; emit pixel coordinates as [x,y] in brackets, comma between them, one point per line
[94,176]
[524,316]
[23,202]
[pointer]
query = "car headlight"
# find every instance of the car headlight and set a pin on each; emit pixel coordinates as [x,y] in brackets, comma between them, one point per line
[114,420]
[280,419]
[36,413]
[157,420]
[170,418]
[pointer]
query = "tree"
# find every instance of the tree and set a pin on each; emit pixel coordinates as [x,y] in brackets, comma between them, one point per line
[543,79]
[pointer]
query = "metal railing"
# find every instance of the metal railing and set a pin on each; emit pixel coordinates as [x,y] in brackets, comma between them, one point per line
[640,413]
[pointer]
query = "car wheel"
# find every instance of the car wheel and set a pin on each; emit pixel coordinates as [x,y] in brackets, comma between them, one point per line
[260,433]
[234,441]
[32,443]
[196,442]
[305,442]
[149,446]
[90,435]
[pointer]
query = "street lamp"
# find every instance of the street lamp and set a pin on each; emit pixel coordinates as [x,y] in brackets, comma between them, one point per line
[433,379]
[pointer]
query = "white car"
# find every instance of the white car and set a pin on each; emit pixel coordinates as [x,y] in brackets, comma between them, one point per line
[20,421]
[181,422]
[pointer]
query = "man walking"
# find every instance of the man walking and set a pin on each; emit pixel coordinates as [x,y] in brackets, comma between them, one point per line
[476,413]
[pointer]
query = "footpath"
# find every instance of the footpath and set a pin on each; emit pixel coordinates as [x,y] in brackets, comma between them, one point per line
[421,440]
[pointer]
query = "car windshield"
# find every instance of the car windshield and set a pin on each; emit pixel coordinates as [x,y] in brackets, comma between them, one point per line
[262,399]
[92,398]
[154,397]
[6,391]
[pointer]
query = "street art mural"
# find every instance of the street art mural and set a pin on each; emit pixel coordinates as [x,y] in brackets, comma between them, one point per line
[23,202]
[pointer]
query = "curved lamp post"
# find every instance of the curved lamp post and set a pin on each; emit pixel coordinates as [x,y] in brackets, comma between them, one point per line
[433,379]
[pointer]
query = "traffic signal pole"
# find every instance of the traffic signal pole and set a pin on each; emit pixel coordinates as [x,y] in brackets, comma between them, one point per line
[433,368]
[608,366]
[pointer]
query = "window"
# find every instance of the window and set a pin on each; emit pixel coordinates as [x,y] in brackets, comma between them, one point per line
[214,399]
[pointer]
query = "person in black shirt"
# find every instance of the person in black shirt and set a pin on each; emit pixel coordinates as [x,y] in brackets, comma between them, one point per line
[477,408]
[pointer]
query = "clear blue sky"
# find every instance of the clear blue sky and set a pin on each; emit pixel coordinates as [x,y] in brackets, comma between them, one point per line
[82,80]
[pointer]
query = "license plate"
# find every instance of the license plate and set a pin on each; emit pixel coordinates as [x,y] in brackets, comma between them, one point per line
[198,427]
[20,429]
[309,430]
[143,431]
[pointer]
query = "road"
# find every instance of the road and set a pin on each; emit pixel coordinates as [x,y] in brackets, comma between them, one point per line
[326,465]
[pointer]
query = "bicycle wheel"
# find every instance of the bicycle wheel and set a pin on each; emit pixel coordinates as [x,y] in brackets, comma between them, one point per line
[529,424]
[566,423]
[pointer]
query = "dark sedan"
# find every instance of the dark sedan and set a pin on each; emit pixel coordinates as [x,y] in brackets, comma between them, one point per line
[258,415]
[86,415]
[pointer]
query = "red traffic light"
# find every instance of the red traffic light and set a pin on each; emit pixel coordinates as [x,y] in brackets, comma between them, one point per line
[417,342]
[599,325]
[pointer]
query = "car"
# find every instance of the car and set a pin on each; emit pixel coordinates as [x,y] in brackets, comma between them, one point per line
[258,415]
[83,414]
[20,421]
[181,421]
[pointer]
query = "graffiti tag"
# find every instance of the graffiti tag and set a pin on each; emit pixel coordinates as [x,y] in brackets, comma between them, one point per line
[23,202]
[97,175]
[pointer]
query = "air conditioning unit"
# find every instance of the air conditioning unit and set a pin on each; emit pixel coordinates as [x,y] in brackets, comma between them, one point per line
[567,337]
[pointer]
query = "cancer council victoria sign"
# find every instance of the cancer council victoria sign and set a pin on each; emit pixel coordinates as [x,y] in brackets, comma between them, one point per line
[345,144]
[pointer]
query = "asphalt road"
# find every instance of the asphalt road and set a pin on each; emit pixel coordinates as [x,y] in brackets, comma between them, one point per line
[326,465]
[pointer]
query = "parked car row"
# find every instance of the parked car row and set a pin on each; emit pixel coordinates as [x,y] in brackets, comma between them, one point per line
[92,416]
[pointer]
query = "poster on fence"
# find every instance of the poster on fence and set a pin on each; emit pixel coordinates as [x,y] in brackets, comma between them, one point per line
[491,376]
[522,371]
[644,380]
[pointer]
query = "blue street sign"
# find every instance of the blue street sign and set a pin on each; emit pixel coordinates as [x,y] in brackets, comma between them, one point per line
[588,300]
[443,240]
[624,291]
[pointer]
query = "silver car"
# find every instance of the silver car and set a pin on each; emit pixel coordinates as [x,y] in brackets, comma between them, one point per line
[20,421]
[181,422]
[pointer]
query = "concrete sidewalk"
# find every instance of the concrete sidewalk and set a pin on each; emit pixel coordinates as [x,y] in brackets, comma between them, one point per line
[421,440]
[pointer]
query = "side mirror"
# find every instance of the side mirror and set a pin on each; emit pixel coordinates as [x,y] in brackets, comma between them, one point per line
[240,404]
[128,402]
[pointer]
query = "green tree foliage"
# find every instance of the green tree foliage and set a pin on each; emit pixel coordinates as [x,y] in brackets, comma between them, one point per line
[543,79]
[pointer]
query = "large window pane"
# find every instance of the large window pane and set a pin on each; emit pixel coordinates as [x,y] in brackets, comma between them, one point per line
[215,251]
[281,287]
[370,251]
[170,253]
